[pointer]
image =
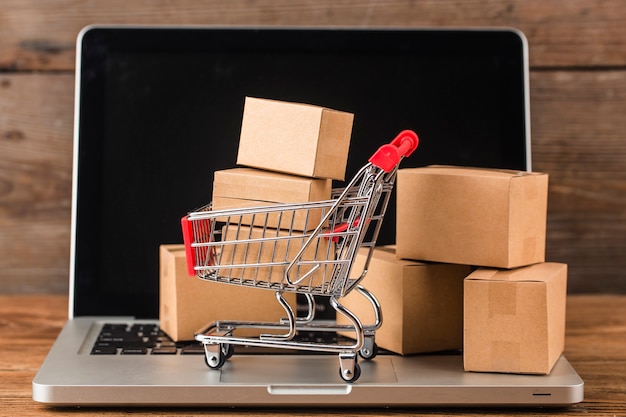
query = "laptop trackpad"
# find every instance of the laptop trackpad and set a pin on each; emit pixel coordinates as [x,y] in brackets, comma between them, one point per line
[301,369]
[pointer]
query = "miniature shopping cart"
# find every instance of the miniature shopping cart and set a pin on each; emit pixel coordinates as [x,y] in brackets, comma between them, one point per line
[305,248]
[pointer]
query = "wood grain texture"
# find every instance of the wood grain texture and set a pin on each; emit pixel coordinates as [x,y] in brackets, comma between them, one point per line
[595,340]
[41,35]
[578,102]
[35,181]
[578,127]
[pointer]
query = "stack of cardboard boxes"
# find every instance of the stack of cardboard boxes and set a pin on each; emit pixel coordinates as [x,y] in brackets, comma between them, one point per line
[288,153]
[291,152]
[514,303]
[468,270]
[508,315]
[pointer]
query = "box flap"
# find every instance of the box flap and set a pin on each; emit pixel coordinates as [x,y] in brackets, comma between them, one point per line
[474,171]
[273,187]
[388,254]
[541,272]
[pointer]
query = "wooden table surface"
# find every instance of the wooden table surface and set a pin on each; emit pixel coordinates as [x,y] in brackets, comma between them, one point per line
[595,345]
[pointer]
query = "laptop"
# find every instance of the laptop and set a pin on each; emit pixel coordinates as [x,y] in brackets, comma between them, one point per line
[158,110]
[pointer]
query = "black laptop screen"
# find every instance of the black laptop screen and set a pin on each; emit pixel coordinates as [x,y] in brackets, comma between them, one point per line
[161,108]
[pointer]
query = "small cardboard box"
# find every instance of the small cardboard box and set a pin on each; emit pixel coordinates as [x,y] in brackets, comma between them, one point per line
[422,303]
[295,138]
[250,187]
[472,216]
[271,250]
[188,303]
[515,319]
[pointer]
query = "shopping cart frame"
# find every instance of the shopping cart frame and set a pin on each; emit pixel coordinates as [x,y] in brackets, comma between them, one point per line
[351,220]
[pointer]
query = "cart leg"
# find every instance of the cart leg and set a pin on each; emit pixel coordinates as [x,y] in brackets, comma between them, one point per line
[310,312]
[290,321]
[354,320]
[370,349]
[310,301]
[378,314]
[349,369]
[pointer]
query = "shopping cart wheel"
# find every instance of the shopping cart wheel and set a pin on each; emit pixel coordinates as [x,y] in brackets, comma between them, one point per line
[350,376]
[215,361]
[369,349]
[349,369]
[214,356]
[227,350]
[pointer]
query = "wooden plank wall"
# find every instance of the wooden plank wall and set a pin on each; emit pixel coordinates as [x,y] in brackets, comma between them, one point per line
[578,104]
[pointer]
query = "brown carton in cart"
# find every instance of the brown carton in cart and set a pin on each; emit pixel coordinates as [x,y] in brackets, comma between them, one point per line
[471,216]
[422,303]
[295,138]
[515,319]
[272,250]
[250,187]
[188,303]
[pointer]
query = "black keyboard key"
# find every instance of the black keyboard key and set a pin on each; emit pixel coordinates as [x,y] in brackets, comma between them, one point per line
[104,350]
[140,339]
[192,350]
[134,351]
[164,351]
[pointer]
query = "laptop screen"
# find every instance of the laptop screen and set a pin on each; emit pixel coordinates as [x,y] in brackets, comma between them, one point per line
[159,110]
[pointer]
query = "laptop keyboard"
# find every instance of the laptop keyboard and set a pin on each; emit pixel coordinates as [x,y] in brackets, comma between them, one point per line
[140,339]
[149,339]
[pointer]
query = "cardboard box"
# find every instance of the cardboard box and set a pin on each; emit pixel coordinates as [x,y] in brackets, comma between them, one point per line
[422,303]
[270,248]
[250,187]
[295,138]
[472,216]
[515,319]
[188,303]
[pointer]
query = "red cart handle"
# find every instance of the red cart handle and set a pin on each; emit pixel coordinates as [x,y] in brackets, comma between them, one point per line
[202,232]
[187,240]
[388,156]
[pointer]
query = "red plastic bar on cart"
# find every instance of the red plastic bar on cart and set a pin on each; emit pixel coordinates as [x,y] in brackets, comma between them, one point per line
[340,228]
[187,239]
[388,156]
